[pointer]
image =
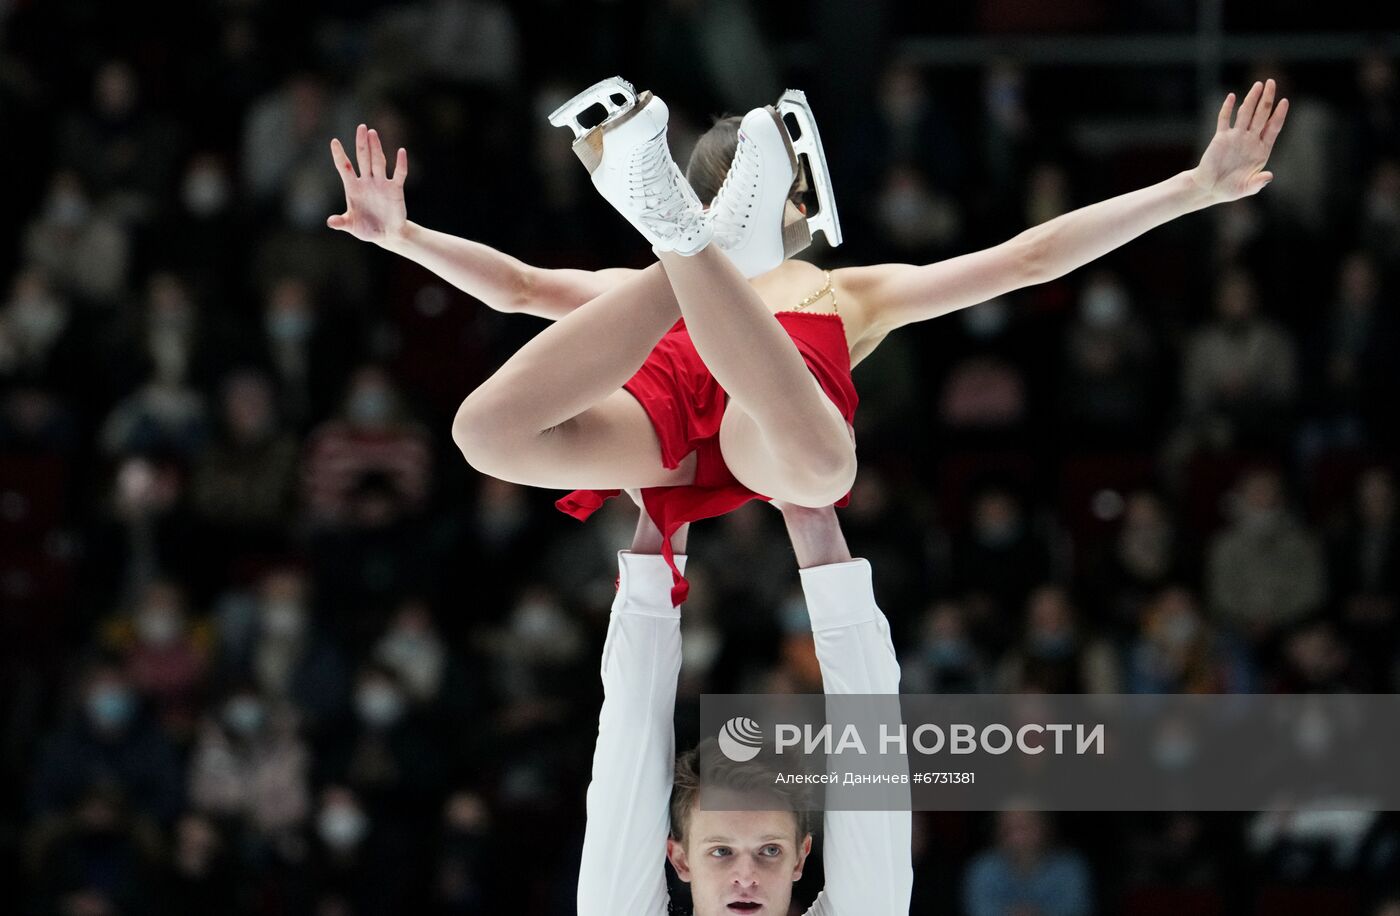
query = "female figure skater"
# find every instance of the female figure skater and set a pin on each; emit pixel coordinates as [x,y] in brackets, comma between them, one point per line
[688,379]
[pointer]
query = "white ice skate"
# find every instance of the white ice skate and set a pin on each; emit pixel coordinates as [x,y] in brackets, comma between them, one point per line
[807,142]
[753,222]
[631,165]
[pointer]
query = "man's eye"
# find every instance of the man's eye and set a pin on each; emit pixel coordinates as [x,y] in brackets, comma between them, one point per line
[719,851]
[776,850]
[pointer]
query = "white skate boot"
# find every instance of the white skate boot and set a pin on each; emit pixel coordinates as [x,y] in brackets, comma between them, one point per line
[631,165]
[754,223]
[807,142]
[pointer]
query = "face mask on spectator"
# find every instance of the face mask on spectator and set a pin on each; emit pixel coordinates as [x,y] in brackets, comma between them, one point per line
[39,318]
[418,659]
[370,406]
[306,204]
[1052,646]
[168,404]
[987,320]
[342,827]
[111,707]
[157,628]
[243,715]
[68,209]
[205,192]
[949,654]
[996,533]
[284,619]
[1261,521]
[1103,305]
[1179,629]
[379,705]
[1174,750]
[289,325]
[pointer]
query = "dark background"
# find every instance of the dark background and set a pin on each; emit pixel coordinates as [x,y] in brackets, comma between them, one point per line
[267,645]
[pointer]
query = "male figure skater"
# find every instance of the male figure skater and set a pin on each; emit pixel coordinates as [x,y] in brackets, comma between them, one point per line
[735,861]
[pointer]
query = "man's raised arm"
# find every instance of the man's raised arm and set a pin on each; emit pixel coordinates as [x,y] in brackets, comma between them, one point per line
[866,855]
[624,847]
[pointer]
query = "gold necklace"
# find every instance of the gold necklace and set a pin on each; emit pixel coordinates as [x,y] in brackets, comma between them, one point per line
[819,294]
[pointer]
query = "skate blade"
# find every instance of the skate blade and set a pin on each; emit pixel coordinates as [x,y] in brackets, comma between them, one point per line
[807,143]
[797,235]
[620,102]
[614,95]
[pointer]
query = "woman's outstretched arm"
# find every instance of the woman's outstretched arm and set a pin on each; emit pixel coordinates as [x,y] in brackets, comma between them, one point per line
[375,212]
[1231,167]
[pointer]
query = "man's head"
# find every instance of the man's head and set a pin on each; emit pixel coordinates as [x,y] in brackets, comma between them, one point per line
[736,861]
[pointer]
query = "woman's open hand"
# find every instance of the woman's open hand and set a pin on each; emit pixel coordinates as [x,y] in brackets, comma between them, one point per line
[1232,166]
[374,206]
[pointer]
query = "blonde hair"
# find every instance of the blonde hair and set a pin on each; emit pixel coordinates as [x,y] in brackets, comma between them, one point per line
[755,777]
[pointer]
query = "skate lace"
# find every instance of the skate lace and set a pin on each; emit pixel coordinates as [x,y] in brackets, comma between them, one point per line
[732,208]
[657,183]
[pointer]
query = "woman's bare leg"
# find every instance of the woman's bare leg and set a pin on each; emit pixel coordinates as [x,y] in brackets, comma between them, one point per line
[554,414]
[787,439]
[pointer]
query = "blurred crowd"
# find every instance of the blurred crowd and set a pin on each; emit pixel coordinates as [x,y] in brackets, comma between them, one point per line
[268,646]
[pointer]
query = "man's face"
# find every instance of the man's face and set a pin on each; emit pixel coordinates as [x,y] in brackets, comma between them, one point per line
[740,861]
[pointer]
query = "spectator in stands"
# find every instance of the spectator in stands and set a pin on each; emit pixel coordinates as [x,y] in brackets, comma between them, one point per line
[307,350]
[1365,571]
[1107,394]
[109,741]
[388,755]
[462,886]
[287,129]
[85,251]
[37,333]
[166,654]
[1176,849]
[1239,377]
[203,875]
[435,682]
[119,145]
[1380,219]
[250,768]
[167,412]
[245,480]
[1026,873]
[100,858]
[290,659]
[1143,557]
[358,868]
[373,434]
[1057,655]
[472,42]
[1354,344]
[1376,120]
[1001,556]
[1315,660]
[1265,571]
[945,660]
[146,531]
[1177,651]
[1388,907]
